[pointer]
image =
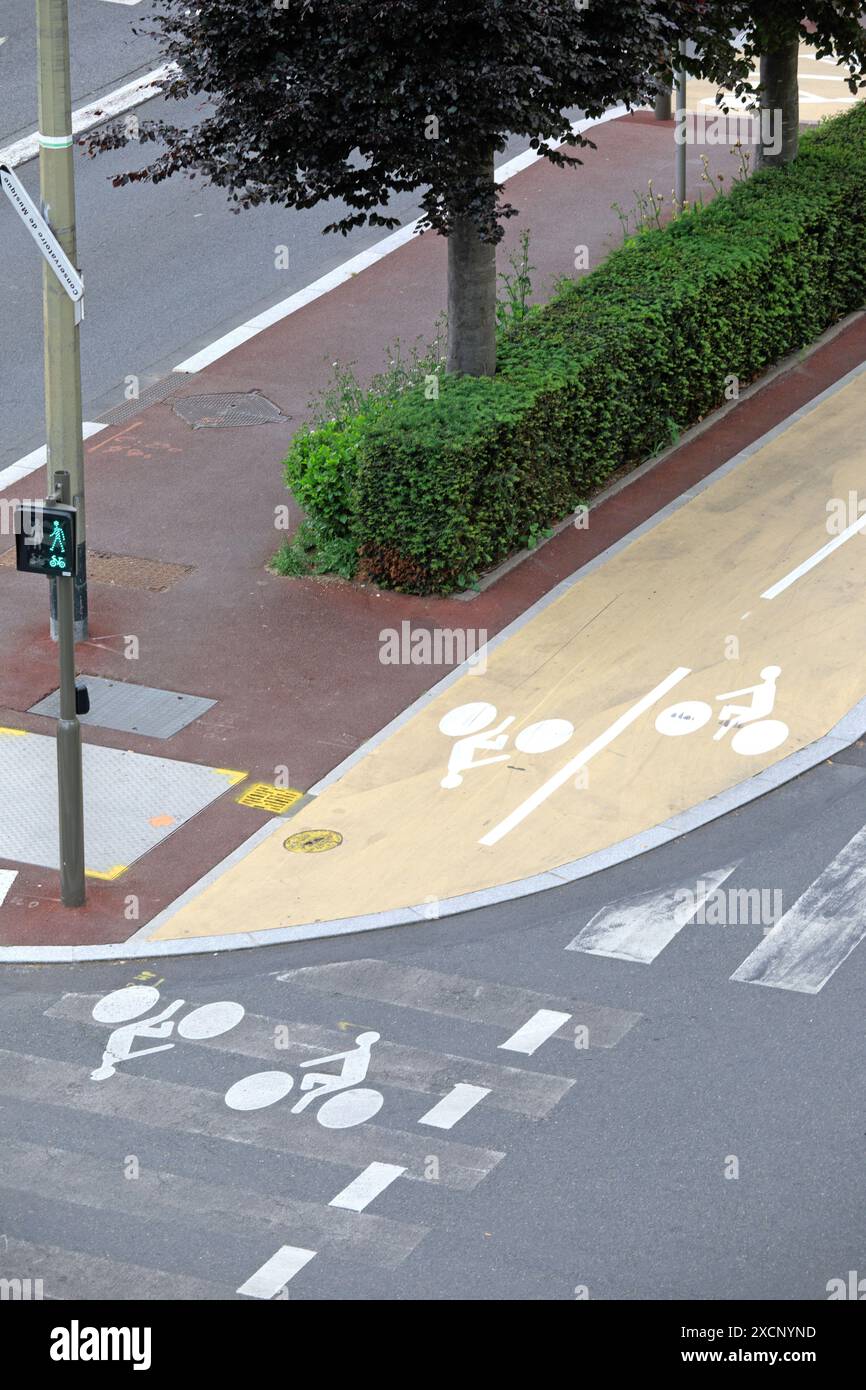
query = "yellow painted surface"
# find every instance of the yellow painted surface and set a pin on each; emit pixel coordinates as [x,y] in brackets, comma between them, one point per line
[823,91]
[685,595]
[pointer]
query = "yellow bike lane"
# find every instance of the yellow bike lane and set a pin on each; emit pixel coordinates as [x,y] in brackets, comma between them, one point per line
[718,642]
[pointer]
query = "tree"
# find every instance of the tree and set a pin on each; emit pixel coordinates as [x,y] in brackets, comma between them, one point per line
[311,100]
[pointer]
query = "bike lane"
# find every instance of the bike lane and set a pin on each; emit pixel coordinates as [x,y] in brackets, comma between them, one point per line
[595,720]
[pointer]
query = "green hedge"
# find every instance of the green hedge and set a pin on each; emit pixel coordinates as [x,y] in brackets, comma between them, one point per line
[611,369]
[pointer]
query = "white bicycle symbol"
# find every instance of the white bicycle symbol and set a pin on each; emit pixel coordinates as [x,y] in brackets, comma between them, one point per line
[122,1005]
[346,1107]
[753,732]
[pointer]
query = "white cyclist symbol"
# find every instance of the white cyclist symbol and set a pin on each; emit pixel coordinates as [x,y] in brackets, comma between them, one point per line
[753,731]
[344,1109]
[469,725]
[123,1005]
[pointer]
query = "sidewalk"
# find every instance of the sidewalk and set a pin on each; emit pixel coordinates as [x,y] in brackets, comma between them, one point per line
[293,666]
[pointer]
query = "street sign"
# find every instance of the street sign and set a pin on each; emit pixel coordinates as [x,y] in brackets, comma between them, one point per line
[45,539]
[42,234]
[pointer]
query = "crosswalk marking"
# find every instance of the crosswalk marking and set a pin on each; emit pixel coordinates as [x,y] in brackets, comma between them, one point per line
[158,1195]
[530,1094]
[171,1106]
[79,1274]
[809,943]
[638,928]
[528,1039]
[451,1108]
[455,996]
[375,1178]
[276,1272]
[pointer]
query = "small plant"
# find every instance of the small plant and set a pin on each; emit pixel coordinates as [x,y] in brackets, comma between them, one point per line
[514,306]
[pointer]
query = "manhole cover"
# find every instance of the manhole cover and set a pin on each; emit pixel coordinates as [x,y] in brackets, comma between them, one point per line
[226,410]
[313,841]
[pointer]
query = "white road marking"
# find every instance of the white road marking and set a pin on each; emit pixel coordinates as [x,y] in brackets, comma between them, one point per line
[535,1031]
[86,117]
[454,996]
[37,459]
[813,560]
[809,943]
[342,273]
[580,759]
[7,878]
[276,1272]
[459,1101]
[375,1178]
[638,928]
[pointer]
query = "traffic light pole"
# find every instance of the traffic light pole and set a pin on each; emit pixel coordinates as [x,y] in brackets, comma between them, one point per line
[70,783]
[60,315]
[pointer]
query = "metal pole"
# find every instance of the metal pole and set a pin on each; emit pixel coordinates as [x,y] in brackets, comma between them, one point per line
[680,127]
[70,784]
[62,352]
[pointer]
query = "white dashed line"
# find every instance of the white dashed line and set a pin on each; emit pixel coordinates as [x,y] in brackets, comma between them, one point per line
[459,1101]
[276,1272]
[535,1031]
[369,1184]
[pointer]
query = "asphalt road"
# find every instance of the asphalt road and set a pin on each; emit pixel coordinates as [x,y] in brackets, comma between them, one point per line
[620,1185]
[105,50]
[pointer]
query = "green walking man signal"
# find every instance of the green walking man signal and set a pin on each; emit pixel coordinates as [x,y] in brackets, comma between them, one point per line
[45,539]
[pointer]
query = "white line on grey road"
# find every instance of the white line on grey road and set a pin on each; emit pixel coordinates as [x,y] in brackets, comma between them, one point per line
[638,928]
[787,580]
[454,996]
[94,1184]
[276,1272]
[122,99]
[532,1094]
[167,1105]
[37,458]
[451,1108]
[819,932]
[565,773]
[78,1274]
[535,1031]
[360,1192]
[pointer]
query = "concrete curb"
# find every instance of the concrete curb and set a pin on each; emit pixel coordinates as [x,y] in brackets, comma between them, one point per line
[844,733]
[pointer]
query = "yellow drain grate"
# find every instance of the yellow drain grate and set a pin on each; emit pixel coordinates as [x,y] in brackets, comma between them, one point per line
[268,798]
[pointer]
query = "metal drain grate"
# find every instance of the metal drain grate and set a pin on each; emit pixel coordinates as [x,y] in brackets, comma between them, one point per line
[123,571]
[119,414]
[226,410]
[132,709]
[266,797]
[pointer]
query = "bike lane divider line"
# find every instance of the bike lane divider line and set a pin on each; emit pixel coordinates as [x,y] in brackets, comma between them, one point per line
[809,943]
[362,1190]
[815,559]
[536,1031]
[452,1107]
[638,928]
[276,1272]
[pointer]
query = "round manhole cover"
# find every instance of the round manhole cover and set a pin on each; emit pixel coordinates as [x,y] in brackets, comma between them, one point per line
[227,409]
[313,841]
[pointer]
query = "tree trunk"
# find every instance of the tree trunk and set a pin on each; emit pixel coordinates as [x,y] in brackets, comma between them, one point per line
[471,298]
[780,107]
[662,108]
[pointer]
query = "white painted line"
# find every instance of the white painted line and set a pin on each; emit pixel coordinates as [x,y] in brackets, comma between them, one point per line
[7,878]
[276,1272]
[369,1184]
[459,1101]
[819,932]
[535,1031]
[637,929]
[32,462]
[813,560]
[229,341]
[565,774]
[86,117]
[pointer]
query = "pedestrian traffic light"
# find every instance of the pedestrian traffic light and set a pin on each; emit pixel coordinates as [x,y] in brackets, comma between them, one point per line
[45,539]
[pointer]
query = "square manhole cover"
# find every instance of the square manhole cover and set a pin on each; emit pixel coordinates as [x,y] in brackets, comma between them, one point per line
[132,709]
[226,410]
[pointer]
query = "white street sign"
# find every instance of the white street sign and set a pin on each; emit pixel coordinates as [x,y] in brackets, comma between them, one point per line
[42,234]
